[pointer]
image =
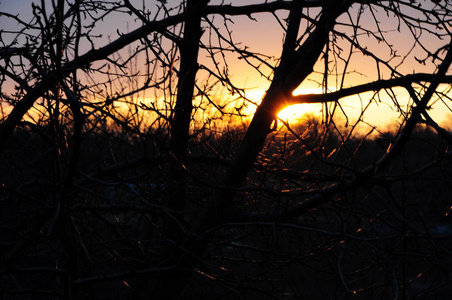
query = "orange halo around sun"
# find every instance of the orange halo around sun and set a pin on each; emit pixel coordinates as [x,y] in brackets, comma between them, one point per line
[292,112]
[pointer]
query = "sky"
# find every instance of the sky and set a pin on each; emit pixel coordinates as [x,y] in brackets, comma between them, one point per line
[264,35]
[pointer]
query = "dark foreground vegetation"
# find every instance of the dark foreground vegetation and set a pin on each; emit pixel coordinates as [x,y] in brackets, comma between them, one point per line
[385,236]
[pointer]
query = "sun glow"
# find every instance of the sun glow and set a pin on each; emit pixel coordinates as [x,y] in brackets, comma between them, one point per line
[292,112]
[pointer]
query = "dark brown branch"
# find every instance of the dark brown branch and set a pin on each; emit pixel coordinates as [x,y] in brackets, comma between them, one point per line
[415,117]
[257,8]
[367,87]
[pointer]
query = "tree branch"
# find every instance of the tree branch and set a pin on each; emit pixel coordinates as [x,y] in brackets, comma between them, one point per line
[367,87]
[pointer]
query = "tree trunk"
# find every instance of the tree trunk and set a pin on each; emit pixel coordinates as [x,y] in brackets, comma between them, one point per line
[166,284]
[221,207]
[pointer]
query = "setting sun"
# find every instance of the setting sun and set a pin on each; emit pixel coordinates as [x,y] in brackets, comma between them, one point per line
[292,112]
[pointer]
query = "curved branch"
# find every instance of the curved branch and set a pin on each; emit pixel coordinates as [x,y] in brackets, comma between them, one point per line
[417,113]
[367,87]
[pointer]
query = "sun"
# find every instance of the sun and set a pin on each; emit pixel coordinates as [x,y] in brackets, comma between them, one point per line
[292,112]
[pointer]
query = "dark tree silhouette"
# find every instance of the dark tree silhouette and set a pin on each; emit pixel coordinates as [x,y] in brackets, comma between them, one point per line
[133,168]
